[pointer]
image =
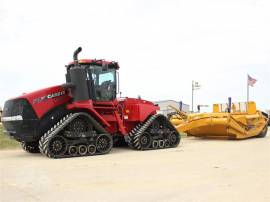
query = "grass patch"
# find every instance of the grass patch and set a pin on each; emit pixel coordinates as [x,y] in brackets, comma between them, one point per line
[6,142]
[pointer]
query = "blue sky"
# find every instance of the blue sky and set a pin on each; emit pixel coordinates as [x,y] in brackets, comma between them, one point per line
[161,46]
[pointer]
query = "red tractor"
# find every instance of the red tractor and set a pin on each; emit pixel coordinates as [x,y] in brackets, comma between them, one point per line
[84,117]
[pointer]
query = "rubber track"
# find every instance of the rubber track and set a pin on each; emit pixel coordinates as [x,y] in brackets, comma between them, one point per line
[59,126]
[30,148]
[133,136]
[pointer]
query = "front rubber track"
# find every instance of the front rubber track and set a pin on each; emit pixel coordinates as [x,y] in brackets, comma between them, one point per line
[54,144]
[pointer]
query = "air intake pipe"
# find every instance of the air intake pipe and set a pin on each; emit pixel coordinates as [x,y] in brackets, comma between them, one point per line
[78,75]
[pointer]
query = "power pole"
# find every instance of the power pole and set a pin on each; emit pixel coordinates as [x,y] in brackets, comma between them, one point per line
[195,86]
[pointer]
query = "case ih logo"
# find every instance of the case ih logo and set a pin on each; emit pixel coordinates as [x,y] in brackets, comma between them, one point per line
[53,95]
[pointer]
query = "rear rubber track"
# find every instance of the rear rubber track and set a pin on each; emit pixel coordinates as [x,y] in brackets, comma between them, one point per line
[142,137]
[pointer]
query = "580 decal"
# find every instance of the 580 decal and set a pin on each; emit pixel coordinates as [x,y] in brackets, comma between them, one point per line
[49,96]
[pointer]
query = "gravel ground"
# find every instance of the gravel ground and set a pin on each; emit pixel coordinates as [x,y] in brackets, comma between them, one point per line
[198,170]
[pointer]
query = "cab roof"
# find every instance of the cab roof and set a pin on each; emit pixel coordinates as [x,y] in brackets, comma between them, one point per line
[111,64]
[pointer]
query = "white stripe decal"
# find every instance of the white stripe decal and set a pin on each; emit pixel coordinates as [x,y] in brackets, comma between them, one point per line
[12,118]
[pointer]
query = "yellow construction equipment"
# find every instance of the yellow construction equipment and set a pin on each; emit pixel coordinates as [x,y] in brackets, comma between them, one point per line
[228,121]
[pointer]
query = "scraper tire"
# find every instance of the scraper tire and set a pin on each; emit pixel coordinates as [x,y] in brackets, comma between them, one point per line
[263,133]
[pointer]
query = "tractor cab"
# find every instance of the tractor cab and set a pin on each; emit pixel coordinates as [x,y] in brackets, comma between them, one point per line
[92,79]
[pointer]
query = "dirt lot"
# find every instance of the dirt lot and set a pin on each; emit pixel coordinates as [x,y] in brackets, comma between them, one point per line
[198,170]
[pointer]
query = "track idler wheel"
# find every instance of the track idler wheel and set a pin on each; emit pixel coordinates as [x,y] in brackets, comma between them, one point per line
[174,139]
[82,149]
[57,146]
[145,140]
[104,143]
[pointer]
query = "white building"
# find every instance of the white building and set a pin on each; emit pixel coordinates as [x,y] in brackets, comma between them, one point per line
[165,109]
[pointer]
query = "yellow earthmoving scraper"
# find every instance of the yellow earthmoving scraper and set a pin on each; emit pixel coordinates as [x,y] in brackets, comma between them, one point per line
[229,121]
[177,117]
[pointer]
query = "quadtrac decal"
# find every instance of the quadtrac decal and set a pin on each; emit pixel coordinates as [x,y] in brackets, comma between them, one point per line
[49,96]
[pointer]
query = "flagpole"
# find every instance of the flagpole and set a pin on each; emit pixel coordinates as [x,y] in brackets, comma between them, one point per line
[250,82]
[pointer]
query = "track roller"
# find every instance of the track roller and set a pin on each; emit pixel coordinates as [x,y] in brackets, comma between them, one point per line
[166,143]
[82,149]
[155,144]
[161,144]
[91,149]
[73,150]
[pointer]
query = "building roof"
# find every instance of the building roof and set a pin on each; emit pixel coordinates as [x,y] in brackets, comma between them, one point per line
[161,101]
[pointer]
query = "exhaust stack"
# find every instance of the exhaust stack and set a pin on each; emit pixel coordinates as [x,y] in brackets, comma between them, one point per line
[75,55]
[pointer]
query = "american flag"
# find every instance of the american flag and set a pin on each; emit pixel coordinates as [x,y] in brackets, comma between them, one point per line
[251,81]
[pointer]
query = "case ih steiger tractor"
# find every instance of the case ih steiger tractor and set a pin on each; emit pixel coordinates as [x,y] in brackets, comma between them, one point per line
[84,117]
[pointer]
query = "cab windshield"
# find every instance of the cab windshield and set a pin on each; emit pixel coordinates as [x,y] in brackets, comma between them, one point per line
[103,83]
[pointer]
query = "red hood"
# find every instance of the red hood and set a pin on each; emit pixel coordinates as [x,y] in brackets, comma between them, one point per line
[45,99]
